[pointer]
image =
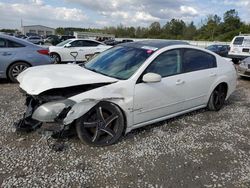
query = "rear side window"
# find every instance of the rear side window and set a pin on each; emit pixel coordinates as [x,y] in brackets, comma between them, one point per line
[194,60]
[3,43]
[12,44]
[238,40]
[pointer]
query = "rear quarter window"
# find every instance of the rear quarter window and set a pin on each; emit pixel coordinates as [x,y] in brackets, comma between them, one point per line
[194,60]
[12,44]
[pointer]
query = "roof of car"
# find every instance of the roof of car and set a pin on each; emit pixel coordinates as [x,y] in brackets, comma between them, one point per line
[153,43]
[22,41]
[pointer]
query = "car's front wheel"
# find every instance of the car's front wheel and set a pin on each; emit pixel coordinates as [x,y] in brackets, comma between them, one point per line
[102,125]
[56,58]
[15,69]
[217,98]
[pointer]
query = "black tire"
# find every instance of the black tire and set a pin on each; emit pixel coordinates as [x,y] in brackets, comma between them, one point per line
[217,98]
[15,69]
[103,125]
[56,57]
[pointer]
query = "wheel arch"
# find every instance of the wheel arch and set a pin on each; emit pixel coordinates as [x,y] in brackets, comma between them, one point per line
[216,84]
[123,113]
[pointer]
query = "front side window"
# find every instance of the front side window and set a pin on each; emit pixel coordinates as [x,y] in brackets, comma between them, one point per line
[64,42]
[3,43]
[119,62]
[194,60]
[77,43]
[166,64]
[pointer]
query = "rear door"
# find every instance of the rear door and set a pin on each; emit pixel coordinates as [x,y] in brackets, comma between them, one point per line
[89,48]
[8,51]
[199,72]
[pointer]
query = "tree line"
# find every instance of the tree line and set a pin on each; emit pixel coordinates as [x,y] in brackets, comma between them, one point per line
[212,28]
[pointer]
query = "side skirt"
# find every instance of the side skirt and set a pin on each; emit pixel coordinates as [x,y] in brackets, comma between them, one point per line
[163,118]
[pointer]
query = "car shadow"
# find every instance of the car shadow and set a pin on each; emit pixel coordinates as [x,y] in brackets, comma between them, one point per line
[4,81]
[244,78]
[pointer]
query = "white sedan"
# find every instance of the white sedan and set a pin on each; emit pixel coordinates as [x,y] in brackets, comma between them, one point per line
[66,50]
[126,87]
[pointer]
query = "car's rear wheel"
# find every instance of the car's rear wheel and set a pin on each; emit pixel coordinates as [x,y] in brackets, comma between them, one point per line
[56,58]
[16,69]
[102,125]
[217,98]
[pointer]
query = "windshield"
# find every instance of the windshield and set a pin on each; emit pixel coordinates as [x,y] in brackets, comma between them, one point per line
[119,62]
[64,42]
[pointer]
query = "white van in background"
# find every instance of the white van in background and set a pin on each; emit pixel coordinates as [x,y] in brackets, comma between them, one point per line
[240,47]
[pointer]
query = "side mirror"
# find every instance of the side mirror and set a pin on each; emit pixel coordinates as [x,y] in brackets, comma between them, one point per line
[151,78]
[67,45]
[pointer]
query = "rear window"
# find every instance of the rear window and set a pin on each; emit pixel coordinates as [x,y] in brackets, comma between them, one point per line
[238,40]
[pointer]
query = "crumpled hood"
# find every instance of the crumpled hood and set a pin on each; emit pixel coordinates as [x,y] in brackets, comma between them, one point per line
[37,79]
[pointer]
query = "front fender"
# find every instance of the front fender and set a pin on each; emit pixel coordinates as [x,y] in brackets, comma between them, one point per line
[83,107]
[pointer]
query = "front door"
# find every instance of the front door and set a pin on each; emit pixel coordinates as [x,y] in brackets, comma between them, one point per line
[156,100]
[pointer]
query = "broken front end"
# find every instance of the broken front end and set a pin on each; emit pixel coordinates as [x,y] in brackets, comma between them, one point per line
[54,106]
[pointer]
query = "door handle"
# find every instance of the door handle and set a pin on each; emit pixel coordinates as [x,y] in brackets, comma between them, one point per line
[179,82]
[212,74]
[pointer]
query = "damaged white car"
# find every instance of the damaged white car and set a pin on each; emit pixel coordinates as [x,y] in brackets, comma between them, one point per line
[126,87]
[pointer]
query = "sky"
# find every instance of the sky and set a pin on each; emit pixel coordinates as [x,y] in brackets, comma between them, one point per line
[101,13]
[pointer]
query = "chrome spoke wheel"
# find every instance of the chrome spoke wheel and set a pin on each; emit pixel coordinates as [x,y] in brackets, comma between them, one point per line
[102,125]
[56,58]
[16,69]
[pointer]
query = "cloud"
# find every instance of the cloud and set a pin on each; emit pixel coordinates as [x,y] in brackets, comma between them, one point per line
[143,12]
[239,3]
[37,12]
[187,10]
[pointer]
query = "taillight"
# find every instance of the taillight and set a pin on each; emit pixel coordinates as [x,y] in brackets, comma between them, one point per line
[43,52]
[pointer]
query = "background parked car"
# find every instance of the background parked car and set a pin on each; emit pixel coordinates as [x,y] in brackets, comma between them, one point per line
[52,39]
[17,55]
[35,40]
[62,51]
[244,68]
[219,49]
[66,37]
[21,36]
[240,48]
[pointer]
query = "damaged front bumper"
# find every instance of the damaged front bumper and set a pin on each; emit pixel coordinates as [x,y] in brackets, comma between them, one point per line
[63,111]
[39,111]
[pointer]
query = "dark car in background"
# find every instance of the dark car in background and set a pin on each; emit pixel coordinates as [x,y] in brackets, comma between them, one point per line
[55,39]
[66,37]
[17,55]
[219,49]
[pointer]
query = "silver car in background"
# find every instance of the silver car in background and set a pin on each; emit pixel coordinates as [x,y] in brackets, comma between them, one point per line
[244,68]
[17,55]
[35,40]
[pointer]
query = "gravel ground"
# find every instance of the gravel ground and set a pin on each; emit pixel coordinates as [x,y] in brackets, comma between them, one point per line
[200,149]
